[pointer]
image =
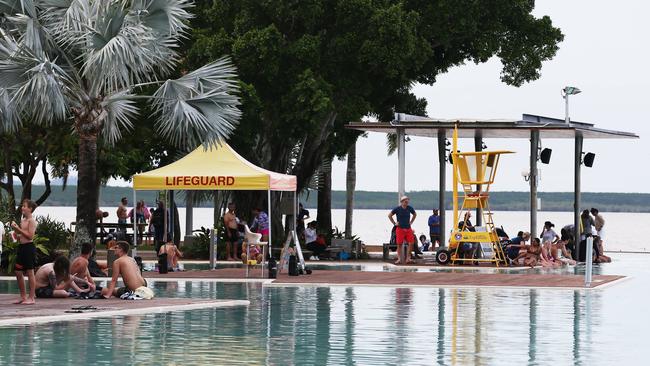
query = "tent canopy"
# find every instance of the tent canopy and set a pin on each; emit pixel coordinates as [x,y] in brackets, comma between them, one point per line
[216,168]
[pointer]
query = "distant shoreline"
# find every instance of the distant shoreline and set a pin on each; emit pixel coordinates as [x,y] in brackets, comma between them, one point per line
[499,201]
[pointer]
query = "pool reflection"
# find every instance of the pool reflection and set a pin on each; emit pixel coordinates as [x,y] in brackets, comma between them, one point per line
[329,325]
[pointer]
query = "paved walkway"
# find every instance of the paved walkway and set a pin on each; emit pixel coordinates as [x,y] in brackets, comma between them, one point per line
[51,310]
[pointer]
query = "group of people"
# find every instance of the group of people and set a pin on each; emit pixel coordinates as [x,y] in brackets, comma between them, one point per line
[58,278]
[549,250]
[552,250]
[152,219]
[235,234]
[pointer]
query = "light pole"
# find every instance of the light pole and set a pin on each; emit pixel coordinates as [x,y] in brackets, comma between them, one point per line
[568,90]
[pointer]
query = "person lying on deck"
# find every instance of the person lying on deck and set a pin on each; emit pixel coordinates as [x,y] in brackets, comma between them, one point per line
[54,279]
[126,267]
[79,268]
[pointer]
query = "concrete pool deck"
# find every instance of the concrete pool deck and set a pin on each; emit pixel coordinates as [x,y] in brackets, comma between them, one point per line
[333,277]
[443,279]
[55,310]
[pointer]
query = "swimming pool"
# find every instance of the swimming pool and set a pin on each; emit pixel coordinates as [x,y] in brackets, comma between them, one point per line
[360,325]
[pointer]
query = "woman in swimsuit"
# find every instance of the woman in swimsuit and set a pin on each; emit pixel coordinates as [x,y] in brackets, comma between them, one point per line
[533,253]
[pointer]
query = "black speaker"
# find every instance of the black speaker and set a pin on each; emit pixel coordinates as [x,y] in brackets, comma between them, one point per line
[589,159]
[545,156]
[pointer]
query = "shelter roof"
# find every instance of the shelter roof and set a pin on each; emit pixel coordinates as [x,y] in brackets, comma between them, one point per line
[550,128]
[215,168]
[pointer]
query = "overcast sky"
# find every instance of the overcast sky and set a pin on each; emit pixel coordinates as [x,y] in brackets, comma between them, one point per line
[604,53]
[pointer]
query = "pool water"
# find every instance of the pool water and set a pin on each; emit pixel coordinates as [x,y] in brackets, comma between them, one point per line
[361,325]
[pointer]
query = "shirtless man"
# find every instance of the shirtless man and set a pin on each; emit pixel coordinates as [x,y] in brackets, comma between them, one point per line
[126,267]
[232,234]
[80,267]
[54,280]
[122,213]
[172,254]
[26,253]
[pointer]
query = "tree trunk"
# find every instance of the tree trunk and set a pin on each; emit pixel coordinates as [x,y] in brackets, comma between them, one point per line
[324,213]
[46,180]
[86,193]
[350,186]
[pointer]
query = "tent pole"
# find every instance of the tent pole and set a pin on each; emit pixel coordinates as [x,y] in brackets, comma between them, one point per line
[270,214]
[135,225]
[172,217]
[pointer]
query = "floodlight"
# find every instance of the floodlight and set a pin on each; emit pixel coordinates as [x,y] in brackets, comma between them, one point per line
[571,90]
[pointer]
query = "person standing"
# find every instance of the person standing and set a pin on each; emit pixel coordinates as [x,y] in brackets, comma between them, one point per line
[158,222]
[122,214]
[303,215]
[232,233]
[405,215]
[26,253]
[599,223]
[434,228]
[260,223]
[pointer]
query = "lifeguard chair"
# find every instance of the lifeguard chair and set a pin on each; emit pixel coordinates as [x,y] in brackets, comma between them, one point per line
[475,173]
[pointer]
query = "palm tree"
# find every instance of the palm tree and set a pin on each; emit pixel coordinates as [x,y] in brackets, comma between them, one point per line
[83,62]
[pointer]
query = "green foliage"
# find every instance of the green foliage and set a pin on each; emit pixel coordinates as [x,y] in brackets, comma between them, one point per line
[76,66]
[200,246]
[335,233]
[55,231]
[309,67]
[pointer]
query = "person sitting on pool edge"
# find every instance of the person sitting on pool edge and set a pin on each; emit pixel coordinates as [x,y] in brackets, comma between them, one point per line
[172,255]
[126,267]
[79,267]
[516,245]
[54,279]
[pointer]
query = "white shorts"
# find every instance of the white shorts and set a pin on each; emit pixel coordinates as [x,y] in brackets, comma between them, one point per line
[601,233]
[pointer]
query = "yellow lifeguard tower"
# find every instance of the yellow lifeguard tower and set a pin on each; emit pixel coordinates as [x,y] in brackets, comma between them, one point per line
[474,172]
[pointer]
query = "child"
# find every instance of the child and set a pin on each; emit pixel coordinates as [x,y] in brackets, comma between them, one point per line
[425,243]
[26,255]
[254,252]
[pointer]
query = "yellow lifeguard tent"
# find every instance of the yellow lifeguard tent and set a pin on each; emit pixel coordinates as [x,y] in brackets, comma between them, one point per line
[217,167]
[475,173]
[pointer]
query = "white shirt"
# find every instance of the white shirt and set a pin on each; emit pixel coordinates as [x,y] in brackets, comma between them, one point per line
[310,235]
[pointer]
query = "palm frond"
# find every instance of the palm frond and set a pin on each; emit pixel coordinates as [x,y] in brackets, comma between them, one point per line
[164,17]
[67,20]
[42,94]
[9,120]
[200,106]
[123,52]
[121,108]
[18,7]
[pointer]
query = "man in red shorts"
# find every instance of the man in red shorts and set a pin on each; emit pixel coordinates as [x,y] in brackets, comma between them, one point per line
[403,233]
